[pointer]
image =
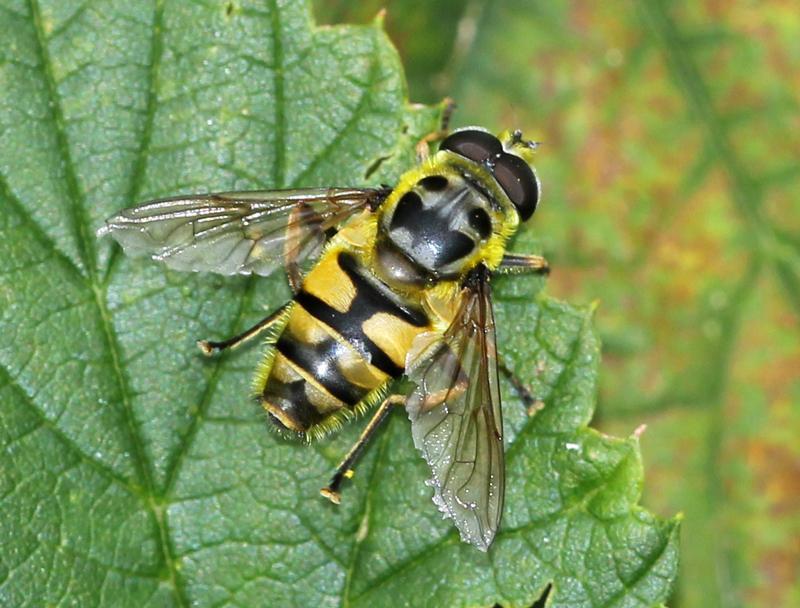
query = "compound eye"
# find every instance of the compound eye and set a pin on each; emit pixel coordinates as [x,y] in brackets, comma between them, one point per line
[518,181]
[473,144]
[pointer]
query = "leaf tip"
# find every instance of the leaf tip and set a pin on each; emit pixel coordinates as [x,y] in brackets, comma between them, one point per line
[380,18]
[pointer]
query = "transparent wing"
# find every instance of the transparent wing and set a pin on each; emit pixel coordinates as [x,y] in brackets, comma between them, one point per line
[237,232]
[456,420]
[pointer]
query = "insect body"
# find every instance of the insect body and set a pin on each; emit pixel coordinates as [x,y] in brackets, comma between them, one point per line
[398,296]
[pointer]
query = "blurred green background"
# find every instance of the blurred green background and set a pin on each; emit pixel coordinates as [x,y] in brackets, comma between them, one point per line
[670,174]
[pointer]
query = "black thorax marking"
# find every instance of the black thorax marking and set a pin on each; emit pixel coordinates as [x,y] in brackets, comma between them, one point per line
[430,227]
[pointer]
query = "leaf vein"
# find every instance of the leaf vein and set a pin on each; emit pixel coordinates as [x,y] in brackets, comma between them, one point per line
[76,203]
[279,151]
[140,161]
[357,113]
[38,232]
[48,424]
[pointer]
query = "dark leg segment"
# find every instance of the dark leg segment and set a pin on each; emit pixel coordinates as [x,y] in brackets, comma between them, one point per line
[447,113]
[344,470]
[532,403]
[209,348]
[520,262]
[423,145]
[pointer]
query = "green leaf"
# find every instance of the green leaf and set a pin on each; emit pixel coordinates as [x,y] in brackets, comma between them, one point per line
[134,471]
[670,185]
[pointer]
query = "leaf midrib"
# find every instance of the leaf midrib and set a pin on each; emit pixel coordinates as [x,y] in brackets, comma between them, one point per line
[97,285]
[85,240]
[77,202]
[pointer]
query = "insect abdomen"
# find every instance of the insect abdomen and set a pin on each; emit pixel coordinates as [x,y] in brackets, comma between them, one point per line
[346,337]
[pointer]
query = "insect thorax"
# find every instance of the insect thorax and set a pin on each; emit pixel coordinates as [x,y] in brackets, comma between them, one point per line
[437,226]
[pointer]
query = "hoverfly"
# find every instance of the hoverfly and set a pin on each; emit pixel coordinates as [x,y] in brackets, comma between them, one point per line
[398,296]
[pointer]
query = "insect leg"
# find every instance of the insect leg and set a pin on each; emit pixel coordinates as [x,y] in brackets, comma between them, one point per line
[449,107]
[532,403]
[520,262]
[209,348]
[344,470]
[303,224]
[423,148]
[294,275]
